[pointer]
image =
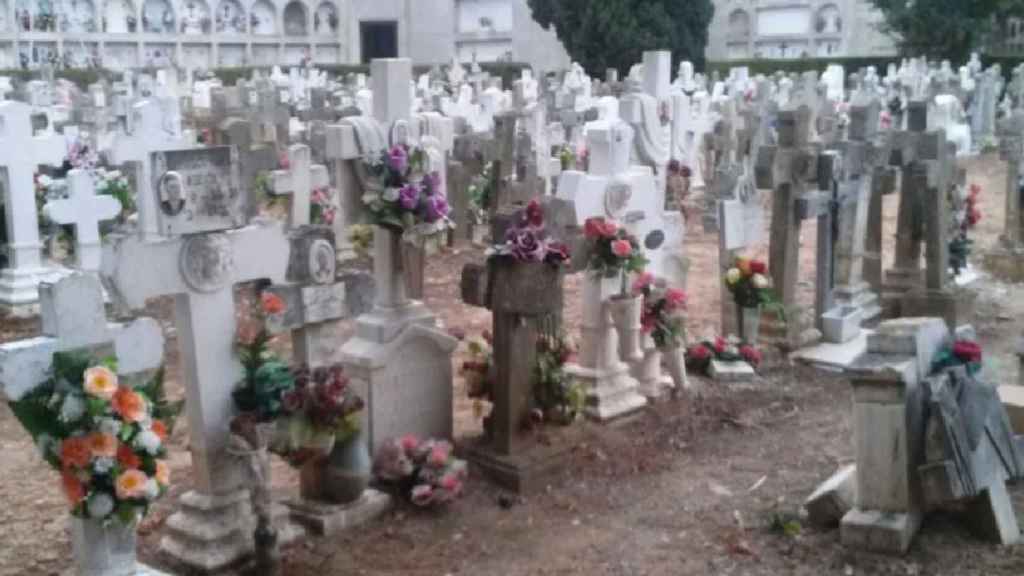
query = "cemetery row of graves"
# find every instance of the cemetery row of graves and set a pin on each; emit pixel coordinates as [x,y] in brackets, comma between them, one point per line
[252,273]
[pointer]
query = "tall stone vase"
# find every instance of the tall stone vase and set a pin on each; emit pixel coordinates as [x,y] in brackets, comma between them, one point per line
[389,268]
[749,323]
[103,549]
[348,469]
[626,313]
[675,365]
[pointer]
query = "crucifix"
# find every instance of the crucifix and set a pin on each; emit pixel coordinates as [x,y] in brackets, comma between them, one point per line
[788,169]
[20,153]
[84,209]
[150,130]
[299,181]
[200,265]
[253,158]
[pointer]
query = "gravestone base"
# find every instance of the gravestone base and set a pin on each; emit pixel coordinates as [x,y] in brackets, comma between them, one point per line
[793,333]
[140,570]
[611,393]
[877,531]
[898,282]
[533,464]
[19,289]
[325,519]
[1006,264]
[862,297]
[210,533]
[955,306]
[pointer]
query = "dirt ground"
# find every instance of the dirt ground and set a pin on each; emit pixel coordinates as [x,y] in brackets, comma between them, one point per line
[697,485]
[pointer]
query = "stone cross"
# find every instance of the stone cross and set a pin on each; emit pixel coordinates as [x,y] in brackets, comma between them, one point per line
[201,270]
[150,130]
[253,158]
[526,301]
[788,169]
[20,153]
[73,317]
[1011,140]
[299,181]
[649,113]
[398,353]
[84,209]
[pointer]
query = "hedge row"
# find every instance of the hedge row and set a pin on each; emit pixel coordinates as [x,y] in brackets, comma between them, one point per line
[507,71]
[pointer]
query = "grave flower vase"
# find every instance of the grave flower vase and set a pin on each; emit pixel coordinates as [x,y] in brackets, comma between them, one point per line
[347,473]
[675,364]
[749,319]
[103,549]
[388,268]
[626,312]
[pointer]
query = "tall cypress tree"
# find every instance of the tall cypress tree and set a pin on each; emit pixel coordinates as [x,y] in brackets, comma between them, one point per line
[948,29]
[602,34]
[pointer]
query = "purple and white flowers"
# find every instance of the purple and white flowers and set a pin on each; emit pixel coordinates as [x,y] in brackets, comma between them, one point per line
[407,197]
[528,241]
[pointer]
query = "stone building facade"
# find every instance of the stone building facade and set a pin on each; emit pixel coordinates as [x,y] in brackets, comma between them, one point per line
[223,33]
[789,29]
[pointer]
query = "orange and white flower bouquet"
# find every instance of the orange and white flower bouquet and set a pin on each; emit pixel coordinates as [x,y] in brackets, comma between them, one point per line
[106,439]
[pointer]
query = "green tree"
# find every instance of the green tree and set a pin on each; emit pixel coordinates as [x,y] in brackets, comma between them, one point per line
[948,29]
[602,34]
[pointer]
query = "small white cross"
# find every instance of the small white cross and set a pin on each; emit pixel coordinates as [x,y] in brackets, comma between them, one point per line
[299,181]
[85,210]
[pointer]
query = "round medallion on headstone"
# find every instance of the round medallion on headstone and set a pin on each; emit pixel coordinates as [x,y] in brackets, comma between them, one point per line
[207,262]
[654,240]
[616,198]
[322,261]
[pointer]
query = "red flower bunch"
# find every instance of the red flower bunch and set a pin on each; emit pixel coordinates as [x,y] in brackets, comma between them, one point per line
[752,355]
[699,356]
[973,212]
[426,471]
[612,249]
[967,351]
[661,306]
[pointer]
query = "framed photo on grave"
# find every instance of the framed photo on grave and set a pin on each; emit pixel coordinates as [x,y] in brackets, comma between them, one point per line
[198,190]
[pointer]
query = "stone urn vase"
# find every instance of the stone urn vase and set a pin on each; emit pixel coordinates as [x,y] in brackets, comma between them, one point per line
[103,549]
[347,470]
[675,365]
[749,320]
[389,264]
[626,312]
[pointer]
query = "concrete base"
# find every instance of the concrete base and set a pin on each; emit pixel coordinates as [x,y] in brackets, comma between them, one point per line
[210,533]
[860,296]
[841,324]
[611,393]
[875,531]
[324,519]
[140,570]
[1006,264]
[834,357]
[528,470]
[955,306]
[731,371]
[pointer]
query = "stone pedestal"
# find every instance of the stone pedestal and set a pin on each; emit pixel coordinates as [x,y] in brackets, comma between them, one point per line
[528,469]
[19,288]
[210,533]
[611,391]
[325,519]
[652,382]
[737,371]
[862,297]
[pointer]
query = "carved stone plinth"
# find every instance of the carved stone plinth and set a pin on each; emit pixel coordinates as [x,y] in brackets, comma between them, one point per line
[324,519]
[530,467]
[210,533]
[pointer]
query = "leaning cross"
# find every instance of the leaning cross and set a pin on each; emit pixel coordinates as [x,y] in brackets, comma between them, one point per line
[20,153]
[73,318]
[85,210]
[299,181]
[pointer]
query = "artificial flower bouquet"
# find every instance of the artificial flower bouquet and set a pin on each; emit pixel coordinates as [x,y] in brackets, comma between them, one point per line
[613,251]
[661,307]
[748,282]
[106,438]
[558,398]
[699,356]
[406,199]
[266,377]
[424,471]
[528,240]
[963,352]
[322,410]
[478,370]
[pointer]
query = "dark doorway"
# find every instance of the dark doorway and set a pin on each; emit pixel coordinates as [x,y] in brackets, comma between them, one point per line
[378,39]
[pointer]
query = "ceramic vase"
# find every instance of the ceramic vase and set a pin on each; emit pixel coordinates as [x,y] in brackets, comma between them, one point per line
[103,549]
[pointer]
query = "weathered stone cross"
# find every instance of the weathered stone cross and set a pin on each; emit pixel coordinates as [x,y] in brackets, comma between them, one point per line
[299,181]
[85,210]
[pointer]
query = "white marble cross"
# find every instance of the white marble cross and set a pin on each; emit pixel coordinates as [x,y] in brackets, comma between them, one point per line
[85,210]
[299,181]
[20,153]
[151,129]
[73,317]
[200,271]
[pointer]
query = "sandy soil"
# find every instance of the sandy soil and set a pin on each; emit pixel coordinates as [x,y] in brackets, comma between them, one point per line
[689,487]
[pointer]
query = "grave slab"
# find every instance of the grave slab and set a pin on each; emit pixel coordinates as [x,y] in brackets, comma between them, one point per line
[731,371]
[834,356]
[326,519]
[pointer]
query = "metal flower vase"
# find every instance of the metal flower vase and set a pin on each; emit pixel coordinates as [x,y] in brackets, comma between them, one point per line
[749,319]
[103,549]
